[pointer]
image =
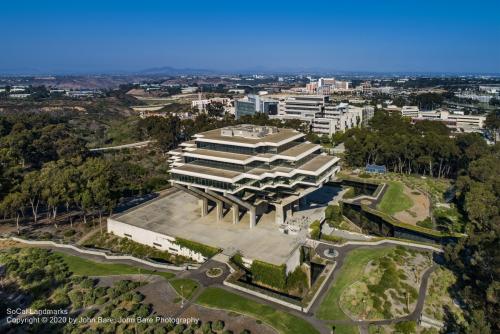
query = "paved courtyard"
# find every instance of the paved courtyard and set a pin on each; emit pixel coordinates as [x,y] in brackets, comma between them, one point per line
[178,215]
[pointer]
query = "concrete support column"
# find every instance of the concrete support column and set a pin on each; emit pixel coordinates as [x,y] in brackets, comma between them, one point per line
[219,207]
[289,211]
[236,214]
[203,203]
[253,218]
[280,214]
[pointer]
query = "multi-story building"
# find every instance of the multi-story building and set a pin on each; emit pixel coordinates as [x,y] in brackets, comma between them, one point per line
[456,121]
[251,169]
[323,116]
[367,114]
[201,104]
[410,111]
[304,106]
[253,104]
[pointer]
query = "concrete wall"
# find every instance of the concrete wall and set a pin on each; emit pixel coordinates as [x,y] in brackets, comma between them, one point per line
[153,239]
[293,261]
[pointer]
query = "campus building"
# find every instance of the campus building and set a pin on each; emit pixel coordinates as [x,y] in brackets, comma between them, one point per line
[323,116]
[253,104]
[250,170]
[456,121]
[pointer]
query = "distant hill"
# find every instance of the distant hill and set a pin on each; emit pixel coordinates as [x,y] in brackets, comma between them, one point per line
[167,70]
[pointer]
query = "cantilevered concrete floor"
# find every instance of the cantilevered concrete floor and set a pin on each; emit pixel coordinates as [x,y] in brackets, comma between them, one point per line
[178,215]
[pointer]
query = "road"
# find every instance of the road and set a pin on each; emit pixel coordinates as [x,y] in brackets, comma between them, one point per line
[120,147]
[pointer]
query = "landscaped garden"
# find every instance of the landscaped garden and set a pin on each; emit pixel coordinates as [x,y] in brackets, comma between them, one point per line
[439,300]
[283,322]
[350,271]
[388,286]
[379,283]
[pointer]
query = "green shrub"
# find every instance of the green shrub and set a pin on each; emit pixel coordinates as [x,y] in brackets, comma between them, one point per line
[269,274]
[69,233]
[332,238]
[87,283]
[297,280]
[206,327]
[406,327]
[179,328]
[160,330]
[334,213]
[427,223]
[101,300]
[238,260]
[218,325]
[350,193]
[315,230]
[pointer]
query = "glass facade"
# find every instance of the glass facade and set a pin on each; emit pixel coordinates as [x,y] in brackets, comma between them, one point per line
[244,108]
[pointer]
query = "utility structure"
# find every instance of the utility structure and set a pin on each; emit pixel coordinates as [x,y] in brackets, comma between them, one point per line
[250,170]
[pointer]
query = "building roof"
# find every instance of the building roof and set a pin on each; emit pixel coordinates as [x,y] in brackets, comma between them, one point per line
[281,137]
[318,162]
[299,149]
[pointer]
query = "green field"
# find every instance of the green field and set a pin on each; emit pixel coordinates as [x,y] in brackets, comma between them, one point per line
[84,267]
[394,199]
[346,329]
[350,272]
[184,287]
[283,322]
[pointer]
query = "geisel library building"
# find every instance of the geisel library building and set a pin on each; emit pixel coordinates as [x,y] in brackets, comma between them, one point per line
[245,188]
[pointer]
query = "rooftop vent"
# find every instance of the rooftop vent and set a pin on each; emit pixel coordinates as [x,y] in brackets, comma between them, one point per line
[248,131]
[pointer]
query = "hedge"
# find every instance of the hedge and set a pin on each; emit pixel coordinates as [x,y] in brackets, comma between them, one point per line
[269,274]
[315,229]
[207,251]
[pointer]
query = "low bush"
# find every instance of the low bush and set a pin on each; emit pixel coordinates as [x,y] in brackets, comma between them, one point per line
[427,223]
[69,233]
[269,274]
[204,250]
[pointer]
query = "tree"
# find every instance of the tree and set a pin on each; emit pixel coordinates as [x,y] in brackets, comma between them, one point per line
[32,188]
[12,206]
[96,187]
[215,109]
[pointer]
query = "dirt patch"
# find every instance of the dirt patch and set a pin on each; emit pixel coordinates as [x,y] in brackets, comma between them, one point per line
[420,209]
[234,322]
[7,244]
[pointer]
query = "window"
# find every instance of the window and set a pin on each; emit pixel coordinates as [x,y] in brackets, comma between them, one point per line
[127,235]
[156,244]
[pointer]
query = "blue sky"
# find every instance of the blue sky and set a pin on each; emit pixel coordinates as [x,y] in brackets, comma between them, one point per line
[382,36]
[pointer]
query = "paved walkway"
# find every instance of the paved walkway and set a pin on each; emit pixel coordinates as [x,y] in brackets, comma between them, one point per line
[119,147]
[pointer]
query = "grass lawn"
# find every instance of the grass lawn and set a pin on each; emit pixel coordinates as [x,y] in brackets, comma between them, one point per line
[184,287]
[351,271]
[394,199]
[282,321]
[346,329]
[84,267]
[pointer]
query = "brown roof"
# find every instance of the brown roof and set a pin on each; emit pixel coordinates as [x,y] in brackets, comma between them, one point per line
[298,149]
[282,134]
[219,154]
[217,172]
[316,163]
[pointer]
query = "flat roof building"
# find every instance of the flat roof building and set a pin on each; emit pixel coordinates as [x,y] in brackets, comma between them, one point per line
[253,104]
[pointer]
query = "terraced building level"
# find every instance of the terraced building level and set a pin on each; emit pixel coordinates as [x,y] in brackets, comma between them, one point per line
[247,169]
